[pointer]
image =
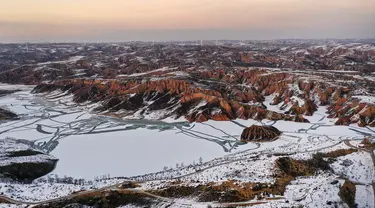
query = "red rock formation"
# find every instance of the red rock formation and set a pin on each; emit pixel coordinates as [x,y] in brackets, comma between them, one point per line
[308,108]
[234,94]
[260,134]
[196,104]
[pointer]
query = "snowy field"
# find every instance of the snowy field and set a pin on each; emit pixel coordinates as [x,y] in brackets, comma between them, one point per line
[364,196]
[360,169]
[314,191]
[36,192]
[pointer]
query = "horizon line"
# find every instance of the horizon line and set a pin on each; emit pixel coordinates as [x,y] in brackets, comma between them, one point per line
[179,41]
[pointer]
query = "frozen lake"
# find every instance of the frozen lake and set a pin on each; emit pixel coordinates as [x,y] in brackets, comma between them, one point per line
[88,145]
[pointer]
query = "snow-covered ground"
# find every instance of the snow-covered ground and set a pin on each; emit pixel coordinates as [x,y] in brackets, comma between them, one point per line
[357,167]
[314,191]
[367,99]
[40,191]
[364,196]
[257,170]
[12,206]
[149,72]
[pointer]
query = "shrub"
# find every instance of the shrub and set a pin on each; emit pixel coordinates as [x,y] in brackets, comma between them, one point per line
[347,194]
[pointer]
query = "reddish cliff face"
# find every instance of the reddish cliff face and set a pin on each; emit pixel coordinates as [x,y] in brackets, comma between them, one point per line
[260,134]
[338,100]
[350,111]
[221,94]
[355,113]
[308,108]
[175,97]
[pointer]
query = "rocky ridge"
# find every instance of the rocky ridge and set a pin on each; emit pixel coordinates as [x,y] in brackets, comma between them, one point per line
[219,95]
[168,98]
[7,115]
[22,161]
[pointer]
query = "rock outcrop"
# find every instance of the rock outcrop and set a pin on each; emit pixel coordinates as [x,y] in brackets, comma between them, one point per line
[7,92]
[21,161]
[7,115]
[256,133]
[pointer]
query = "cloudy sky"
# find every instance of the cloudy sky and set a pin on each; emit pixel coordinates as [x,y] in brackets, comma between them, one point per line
[122,20]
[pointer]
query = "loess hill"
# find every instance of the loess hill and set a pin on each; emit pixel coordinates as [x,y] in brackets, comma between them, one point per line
[201,95]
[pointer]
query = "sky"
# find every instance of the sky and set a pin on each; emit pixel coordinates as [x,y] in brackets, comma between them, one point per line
[124,20]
